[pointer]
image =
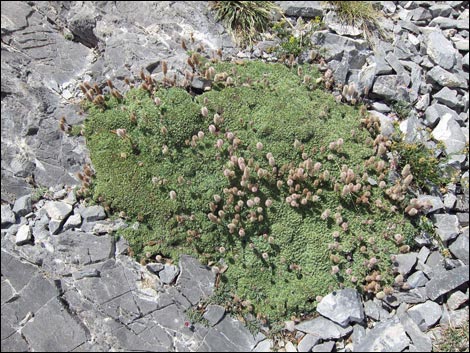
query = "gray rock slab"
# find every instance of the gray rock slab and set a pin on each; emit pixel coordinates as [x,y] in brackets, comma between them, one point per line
[443,10]
[389,87]
[324,347]
[434,203]
[229,335]
[449,201]
[306,9]
[405,262]
[77,248]
[425,315]
[459,248]
[195,281]
[440,50]
[447,226]
[386,336]
[23,236]
[446,23]
[112,283]
[73,222]
[445,78]
[454,318]
[155,267]
[8,216]
[290,347]
[323,328]
[417,279]
[372,310]
[343,306]
[18,273]
[22,206]
[420,340]
[14,343]
[61,329]
[423,254]
[456,300]
[92,213]
[214,313]
[448,97]
[58,210]
[168,274]
[307,343]
[264,346]
[444,282]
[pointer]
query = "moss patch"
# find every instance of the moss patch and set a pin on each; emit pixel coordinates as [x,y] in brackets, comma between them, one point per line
[256,182]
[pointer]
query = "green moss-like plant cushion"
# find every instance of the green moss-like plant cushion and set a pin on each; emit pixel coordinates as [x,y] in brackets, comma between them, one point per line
[269,181]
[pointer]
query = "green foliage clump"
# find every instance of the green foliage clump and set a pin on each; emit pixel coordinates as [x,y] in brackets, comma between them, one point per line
[294,41]
[361,14]
[264,176]
[424,166]
[246,19]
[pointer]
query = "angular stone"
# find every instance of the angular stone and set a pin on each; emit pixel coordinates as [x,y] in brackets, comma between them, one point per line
[413,296]
[434,202]
[324,347]
[213,314]
[23,206]
[23,236]
[57,210]
[420,340]
[405,262]
[425,315]
[343,306]
[290,347]
[93,213]
[444,282]
[388,88]
[446,23]
[372,310]
[456,300]
[155,267]
[440,50]
[460,248]
[423,254]
[448,97]
[305,9]
[168,274]
[381,107]
[417,279]
[386,336]
[195,281]
[443,10]
[307,343]
[445,78]
[8,216]
[264,346]
[447,226]
[449,201]
[323,328]
[73,222]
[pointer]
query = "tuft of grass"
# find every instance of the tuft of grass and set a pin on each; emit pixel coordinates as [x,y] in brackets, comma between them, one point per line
[454,339]
[245,19]
[360,14]
[250,177]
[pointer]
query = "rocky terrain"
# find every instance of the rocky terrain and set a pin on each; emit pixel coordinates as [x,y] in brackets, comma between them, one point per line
[67,282]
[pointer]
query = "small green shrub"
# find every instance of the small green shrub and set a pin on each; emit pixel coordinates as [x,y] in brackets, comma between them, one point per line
[246,19]
[264,176]
[423,164]
[296,40]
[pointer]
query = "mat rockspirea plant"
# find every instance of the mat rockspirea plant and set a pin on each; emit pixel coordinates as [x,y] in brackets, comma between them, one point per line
[281,189]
